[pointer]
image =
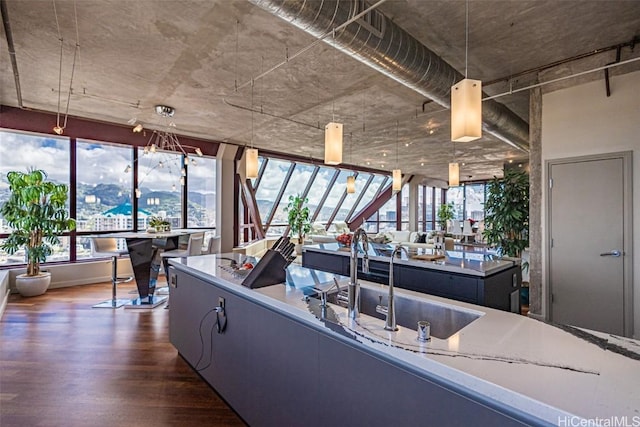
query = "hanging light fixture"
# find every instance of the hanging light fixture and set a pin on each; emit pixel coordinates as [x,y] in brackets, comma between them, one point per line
[251,156]
[333,130]
[58,129]
[351,179]
[454,174]
[397,173]
[466,101]
[454,170]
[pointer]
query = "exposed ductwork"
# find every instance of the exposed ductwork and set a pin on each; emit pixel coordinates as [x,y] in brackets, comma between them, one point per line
[379,43]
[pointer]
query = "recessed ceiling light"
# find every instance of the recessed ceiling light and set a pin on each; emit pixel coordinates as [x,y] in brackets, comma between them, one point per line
[422,164]
[510,160]
[384,154]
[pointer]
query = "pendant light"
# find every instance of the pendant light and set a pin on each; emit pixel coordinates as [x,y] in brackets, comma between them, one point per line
[351,179]
[397,173]
[454,170]
[333,130]
[466,101]
[251,155]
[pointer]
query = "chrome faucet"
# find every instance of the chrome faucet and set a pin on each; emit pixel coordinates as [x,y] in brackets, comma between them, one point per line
[390,324]
[353,308]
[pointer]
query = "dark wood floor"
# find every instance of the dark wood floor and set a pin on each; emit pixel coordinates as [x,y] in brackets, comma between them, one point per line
[63,363]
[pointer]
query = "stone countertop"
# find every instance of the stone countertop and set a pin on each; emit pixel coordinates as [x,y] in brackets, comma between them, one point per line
[455,261]
[550,372]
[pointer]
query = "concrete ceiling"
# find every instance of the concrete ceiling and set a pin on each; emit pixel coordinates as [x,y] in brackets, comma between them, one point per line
[191,55]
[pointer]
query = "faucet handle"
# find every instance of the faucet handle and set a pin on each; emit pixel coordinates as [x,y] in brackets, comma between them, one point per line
[365,264]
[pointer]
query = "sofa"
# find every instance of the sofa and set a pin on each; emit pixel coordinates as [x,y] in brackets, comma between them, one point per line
[406,238]
[319,233]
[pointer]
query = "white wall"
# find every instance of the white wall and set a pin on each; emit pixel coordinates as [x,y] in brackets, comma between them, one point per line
[581,121]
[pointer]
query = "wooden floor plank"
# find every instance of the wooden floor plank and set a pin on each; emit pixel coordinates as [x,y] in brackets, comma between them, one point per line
[64,363]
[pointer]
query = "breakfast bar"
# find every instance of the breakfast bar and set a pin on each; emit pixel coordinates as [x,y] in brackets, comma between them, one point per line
[279,358]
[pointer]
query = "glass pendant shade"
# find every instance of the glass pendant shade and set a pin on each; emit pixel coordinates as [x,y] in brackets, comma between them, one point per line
[351,184]
[466,110]
[333,143]
[397,180]
[454,174]
[251,160]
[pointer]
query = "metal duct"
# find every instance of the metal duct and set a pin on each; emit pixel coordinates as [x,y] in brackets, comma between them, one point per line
[396,54]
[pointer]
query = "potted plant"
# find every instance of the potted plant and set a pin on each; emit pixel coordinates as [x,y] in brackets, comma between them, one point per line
[445,213]
[298,216]
[37,213]
[507,213]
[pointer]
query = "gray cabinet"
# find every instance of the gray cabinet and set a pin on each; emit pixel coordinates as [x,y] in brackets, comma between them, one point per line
[500,290]
[275,370]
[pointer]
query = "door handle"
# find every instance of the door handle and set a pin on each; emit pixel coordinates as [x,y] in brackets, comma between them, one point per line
[612,253]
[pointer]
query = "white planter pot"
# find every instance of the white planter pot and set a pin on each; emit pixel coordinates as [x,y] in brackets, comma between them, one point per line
[31,286]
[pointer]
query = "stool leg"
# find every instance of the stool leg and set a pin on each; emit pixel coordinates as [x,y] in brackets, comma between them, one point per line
[113,302]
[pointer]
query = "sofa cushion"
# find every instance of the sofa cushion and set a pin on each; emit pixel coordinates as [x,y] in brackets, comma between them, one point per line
[341,227]
[318,229]
[417,237]
[400,236]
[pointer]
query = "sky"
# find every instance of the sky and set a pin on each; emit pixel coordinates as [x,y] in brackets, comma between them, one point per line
[98,163]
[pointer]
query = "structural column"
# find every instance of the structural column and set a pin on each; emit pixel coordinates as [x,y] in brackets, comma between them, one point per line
[225,170]
[535,202]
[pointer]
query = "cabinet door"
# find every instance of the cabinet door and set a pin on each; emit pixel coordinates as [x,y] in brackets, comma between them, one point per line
[443,284]
[221,358]
[325,262]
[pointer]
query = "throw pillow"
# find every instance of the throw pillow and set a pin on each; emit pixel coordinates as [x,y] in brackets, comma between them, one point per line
[422,238]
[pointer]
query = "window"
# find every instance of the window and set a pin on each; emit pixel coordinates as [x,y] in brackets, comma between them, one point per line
[159,186]
[474,201]
[20,152]
[335,194]
[103,187]
[269,187]
[201,193]
[455,195]
[404,206]
[351,199]
[296,185]
[387,215]
[371,192]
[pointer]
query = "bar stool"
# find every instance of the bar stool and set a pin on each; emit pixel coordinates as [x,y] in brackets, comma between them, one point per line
[108,247]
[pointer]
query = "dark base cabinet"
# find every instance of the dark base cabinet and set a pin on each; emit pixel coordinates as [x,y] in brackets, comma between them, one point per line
[274,370]
[500,290]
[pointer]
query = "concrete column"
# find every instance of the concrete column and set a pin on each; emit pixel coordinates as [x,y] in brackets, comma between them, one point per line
[225,171]
[535,202]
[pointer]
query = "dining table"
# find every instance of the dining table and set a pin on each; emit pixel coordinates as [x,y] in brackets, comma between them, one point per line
[144,249]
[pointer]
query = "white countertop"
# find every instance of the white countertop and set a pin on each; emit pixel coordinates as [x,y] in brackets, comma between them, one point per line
[547,371]
[456,261]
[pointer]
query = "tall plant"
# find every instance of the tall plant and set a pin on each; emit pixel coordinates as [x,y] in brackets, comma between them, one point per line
[507,213]
[445,213]
[37,213]
[298,216]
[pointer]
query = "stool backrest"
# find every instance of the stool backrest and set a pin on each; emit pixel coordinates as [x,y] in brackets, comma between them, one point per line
[214,245]
[195,244]
[104,245]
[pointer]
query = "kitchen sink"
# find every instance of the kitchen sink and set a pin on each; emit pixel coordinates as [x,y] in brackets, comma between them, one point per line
[445,319]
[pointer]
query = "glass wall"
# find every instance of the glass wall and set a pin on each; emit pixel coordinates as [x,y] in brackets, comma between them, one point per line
[325,188]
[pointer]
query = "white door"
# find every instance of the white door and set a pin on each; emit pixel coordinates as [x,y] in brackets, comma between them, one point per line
[589,243]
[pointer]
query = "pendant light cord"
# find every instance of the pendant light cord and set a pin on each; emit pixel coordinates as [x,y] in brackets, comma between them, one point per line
[73,67]
[466,39]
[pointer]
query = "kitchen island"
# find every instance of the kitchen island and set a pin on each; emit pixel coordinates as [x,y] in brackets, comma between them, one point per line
[279,359]
[468,276]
